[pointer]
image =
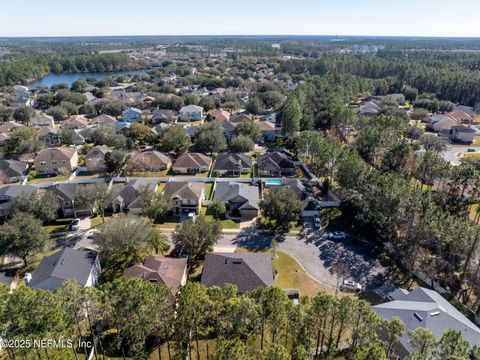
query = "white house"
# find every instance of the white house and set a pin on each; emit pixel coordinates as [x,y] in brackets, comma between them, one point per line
[191,113]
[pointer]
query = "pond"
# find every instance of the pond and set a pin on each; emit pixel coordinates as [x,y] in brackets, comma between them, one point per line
[69,79]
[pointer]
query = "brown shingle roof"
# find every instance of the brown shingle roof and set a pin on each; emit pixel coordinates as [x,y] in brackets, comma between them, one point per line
[192,160]
[56,154]
[167,271]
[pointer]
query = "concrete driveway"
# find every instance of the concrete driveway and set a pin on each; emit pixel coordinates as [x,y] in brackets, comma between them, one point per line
[454,153]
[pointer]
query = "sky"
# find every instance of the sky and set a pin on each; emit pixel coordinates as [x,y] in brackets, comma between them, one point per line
[241,17]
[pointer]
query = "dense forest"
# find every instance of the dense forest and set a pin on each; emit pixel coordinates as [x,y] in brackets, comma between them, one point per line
[20,69]
[130,318]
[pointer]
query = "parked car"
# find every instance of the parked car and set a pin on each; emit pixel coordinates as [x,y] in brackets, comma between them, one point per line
[316,222]
[350,285]
[75,225]
[337,235]
[192,215]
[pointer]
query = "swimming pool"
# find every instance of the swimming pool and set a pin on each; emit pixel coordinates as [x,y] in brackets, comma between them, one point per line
[273,182]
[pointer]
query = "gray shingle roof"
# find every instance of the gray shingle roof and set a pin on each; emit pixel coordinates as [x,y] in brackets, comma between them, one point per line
[247,271]
[227,191]
[13,168]
[66,264]
[427,308]
[232,162]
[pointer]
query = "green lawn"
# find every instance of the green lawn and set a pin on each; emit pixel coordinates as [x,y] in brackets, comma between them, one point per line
[226,223]
[150,174]
[160,187]
[473,211]
[471,155]
[41,179]
[290,275]
[208,190]
[59,225]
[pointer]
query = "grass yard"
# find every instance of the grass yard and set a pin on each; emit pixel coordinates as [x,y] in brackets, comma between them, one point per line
[208,190]
[41,179]
[34,261]
[59,225]
[226,223]
[471,155]
[473,211]
[150,174]
[160,187]
[97,220]
[292,276]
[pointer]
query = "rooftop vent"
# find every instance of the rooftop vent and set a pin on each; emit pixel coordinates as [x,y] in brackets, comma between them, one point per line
[418,317]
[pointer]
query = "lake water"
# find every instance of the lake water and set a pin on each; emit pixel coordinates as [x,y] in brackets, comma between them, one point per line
[69,79]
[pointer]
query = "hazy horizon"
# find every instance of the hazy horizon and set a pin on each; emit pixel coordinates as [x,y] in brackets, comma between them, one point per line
[56,18]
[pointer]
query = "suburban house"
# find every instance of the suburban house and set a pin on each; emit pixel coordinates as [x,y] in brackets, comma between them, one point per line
[10,192]
[132,115]
[267,129]
[425,308]
[219,115]
[163,116]
[191,113]
[190,129]
[228,129]
[128,198]
[171,272]
[310,204]
[42,120]
[151,161]
[240,199]
[74,123]
[442,122]
[95,159]
[239,117]
[81,265]
[186,196]
[12,171]
[275,164]
[104,120]
[461,116]
[462,134]
[49,135]
[233,164]
[9,126]
[55,160]
[368,109]
[247,271]
[192,163]
[66,193]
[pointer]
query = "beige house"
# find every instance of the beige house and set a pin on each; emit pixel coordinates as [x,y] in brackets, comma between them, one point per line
[151,161]
[53,161]
[95,159]
[75,123]
[192,163]
[186,196]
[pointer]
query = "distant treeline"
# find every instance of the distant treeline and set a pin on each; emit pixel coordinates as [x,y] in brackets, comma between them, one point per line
[451,76]
[27,67]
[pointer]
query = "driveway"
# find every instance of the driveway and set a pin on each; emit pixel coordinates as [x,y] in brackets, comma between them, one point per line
[325,260]
[451,153]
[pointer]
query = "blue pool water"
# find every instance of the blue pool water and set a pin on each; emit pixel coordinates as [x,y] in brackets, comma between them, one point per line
[273,182]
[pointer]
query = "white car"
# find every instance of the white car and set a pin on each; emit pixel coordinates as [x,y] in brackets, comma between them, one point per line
[191,215]
[337,235]
[75,225]
[316,222]
[350,285]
